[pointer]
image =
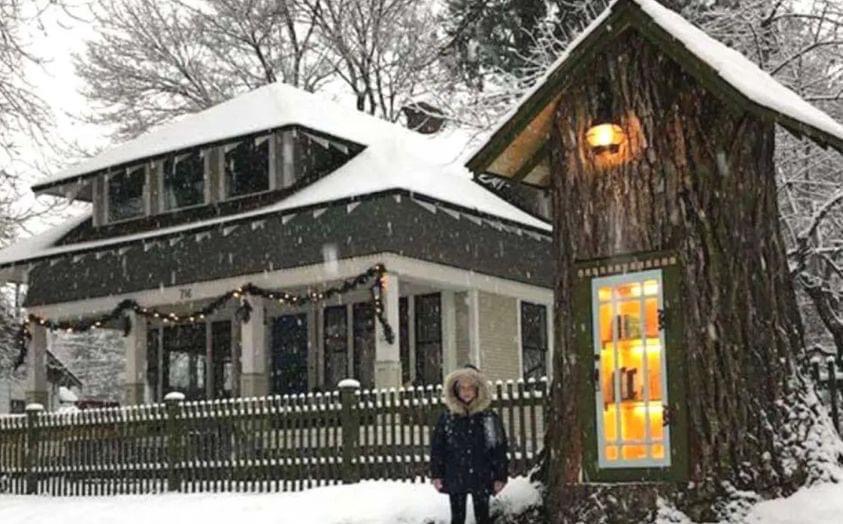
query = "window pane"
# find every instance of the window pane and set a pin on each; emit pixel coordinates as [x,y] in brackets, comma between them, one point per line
[335,345]
[428,310]
[184,353]
[404,338]
[364,344]
[534,340]
[631,370]
[221,355]
[247,166]
[125,194]
[184,180]
[152,360]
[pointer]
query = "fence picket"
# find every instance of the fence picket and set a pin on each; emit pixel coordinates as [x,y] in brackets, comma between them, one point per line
[278,443]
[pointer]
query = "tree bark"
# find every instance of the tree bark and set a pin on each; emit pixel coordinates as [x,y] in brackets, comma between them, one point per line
[695,177]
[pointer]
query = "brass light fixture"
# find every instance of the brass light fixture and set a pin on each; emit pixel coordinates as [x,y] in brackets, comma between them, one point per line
[604,134]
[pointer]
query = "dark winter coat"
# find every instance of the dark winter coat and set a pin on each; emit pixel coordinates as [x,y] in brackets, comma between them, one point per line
[468,446]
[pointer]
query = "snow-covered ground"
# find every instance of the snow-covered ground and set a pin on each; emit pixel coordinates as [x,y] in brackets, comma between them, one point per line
[375,502]
[822,504]
[372,502]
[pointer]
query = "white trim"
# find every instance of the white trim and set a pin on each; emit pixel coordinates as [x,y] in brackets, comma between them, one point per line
[474,327]
[448,313]
[520,339]
[349,342]
[436,275]
[271,154]
[411,335]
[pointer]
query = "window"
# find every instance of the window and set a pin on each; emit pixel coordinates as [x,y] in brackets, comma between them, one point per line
[125,194]
[17,406]
[153,360]
[247,166]
[319,155]
[364,343]
[184,180]
[533,340]
[428,310]
[223,372]
[335,345]
[404,338]
[184,358]
[630,352]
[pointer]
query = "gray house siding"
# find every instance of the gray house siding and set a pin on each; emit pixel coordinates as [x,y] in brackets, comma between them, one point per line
[384,223]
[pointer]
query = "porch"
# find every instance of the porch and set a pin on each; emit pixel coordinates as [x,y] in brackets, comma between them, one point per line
[441,317]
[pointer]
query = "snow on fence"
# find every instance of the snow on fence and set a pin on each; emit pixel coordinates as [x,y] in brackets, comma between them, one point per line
[276,443]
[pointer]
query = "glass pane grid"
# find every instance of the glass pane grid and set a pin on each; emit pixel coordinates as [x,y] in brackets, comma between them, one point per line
[629,346]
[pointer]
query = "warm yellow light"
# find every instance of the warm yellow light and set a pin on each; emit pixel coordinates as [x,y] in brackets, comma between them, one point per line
[604,136]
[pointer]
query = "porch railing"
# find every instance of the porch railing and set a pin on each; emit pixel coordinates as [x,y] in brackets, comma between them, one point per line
[277,443]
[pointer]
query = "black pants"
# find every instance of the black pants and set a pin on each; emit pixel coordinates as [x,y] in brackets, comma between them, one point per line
[481,508]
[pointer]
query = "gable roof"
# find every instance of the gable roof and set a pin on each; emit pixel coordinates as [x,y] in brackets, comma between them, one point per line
[268,107]
[719,68]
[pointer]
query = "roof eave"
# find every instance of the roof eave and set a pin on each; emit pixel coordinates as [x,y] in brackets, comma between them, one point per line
[625,15]
[555,82]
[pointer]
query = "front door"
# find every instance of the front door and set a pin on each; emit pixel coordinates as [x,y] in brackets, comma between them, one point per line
[289,354]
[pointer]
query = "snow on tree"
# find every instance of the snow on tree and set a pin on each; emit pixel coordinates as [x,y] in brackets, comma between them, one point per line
[97,358]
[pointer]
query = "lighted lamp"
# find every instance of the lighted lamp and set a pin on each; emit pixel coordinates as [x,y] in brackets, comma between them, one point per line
[604,137]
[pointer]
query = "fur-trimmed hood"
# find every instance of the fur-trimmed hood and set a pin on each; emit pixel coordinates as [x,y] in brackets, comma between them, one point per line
[452,401]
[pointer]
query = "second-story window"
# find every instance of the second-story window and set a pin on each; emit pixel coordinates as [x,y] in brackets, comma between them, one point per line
[184,180]
[125,194]
[247,166]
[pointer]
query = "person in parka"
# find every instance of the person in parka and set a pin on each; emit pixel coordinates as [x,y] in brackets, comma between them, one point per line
[468,446]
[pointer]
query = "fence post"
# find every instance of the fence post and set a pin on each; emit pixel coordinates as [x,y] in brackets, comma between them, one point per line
[350,421]
[175,430]
[32,412]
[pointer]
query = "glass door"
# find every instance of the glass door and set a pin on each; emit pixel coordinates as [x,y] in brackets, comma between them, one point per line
[290,344]
[630,367]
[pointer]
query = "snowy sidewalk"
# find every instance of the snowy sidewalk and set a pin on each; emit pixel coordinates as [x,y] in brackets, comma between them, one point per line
[373,502]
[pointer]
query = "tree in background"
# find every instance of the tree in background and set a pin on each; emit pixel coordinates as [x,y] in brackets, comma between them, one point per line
[97,358]
[153,61]
[385,51]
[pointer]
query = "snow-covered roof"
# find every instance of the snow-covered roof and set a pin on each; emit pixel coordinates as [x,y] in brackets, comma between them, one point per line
[268,107]
[394,159]
[66,395]
[761,91]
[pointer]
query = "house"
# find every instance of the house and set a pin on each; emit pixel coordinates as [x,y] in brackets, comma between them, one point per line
[278,243]
[62,388]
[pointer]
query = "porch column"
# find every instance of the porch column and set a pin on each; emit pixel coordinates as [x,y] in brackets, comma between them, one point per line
[449,333]
[135,387]
[388,356]
[36,366]
[473,298]
[253,378]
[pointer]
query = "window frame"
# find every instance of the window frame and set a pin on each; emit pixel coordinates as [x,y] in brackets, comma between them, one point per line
[669,262]
[547,337]
[612,282]
[224,192]
[161,176]
[106,198]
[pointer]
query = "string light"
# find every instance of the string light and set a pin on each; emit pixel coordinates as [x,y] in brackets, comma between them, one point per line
[375,274]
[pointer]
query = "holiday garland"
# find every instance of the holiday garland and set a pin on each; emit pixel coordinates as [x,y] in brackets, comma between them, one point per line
[376,273]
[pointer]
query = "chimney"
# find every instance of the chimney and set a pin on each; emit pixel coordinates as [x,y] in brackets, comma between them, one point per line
[423,117]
